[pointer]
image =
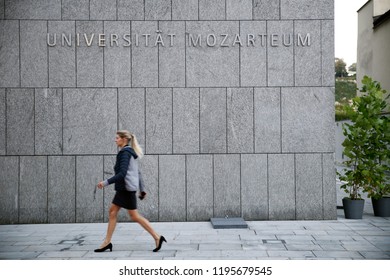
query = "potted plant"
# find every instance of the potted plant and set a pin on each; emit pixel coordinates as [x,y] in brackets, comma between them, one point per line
[366,145]
[371,106]
[353,205]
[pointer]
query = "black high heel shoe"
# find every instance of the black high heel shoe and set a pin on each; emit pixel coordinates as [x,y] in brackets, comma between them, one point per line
[109,246]
[162,239]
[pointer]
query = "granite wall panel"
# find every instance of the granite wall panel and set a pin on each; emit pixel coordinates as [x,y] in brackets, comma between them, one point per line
[254,55]
[218,66]
[131,10]
[62,57]
[9,54]
[307,9]
[213,120]
[144,56]
[117,66]
[186,121]
[33,9]
[267,128]
[240,120]
[239,9]
[308,119]
[185,10]
[33,53]
[9,190]
[89,115]
[172,58]
[308,58]
[309,191]
[254,187]
[103,9]
[172,188]
[2,9]
[48,121]
[75,9]
[266,9]
[89,56]
[328,53]
[158,10]
[33,190]
[89,206]
[159,121]
[329,192]
[3,123]
[131,115]
[281,185]
[61,189]
[20,121]
[212,10]
[280,53]
[227,187]
[200,193]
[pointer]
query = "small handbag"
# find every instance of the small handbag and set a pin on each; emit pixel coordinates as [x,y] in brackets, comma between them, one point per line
[141,186]
[141,182]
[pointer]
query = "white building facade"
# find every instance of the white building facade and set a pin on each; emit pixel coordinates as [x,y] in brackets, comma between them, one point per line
[373,55]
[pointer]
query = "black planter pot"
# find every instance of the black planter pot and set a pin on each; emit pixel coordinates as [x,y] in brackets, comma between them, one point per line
[353,209]
[381,206]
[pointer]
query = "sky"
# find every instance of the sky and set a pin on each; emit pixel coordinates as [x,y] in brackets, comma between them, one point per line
[346,29]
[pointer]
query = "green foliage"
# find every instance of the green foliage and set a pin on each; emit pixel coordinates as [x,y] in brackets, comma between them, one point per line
[352,67]
[340,113]
[340,68]
[344,92]
[367,144]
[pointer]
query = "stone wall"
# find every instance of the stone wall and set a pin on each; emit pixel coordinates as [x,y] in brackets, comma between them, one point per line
[245,129]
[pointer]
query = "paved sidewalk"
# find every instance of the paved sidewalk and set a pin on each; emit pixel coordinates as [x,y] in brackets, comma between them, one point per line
[368,238]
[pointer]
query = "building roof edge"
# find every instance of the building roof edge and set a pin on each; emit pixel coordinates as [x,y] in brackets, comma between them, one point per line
[378,20]
[363,5]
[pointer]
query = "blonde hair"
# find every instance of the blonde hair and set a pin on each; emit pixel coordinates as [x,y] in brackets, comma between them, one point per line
[132,141]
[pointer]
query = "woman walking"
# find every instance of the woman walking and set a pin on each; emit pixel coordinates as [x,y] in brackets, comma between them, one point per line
[126,180]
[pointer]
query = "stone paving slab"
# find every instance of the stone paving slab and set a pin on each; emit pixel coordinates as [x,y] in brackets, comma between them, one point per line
[12,248]
[19,255]
[292,254]
[295,237]
[256,237]
[338,254]
[360,248]
[220,246]
[311,232]
[332,247]
[62,254]
[368,238]
[209,238]
[376,255]
[303,247]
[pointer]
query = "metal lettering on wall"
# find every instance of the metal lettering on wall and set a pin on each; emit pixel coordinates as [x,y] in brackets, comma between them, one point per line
[168,40]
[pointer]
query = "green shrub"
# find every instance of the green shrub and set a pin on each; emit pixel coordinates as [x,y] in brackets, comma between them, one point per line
[344,92]
[367,143]
[340,113]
